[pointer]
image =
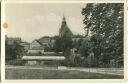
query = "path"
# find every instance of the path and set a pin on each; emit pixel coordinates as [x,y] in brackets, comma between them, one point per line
[113,71]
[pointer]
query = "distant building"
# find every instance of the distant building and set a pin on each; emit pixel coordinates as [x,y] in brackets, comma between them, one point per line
[12,40]
[36,47]
[39,45]
[45,41]
[64,30]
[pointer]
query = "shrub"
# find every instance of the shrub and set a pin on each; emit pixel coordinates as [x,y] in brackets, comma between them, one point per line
[16,62]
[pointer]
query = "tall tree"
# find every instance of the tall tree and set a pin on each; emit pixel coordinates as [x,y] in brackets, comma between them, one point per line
[58,45]
[105,21]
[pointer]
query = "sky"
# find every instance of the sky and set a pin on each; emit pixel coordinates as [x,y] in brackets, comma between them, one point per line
[31,21]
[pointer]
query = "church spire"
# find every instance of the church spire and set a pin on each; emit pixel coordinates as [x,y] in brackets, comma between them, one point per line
[64,29]
[64,20]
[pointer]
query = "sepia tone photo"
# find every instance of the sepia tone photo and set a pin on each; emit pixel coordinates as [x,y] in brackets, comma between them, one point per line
[64,41]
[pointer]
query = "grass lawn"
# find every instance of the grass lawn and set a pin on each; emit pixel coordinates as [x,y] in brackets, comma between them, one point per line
[55,74]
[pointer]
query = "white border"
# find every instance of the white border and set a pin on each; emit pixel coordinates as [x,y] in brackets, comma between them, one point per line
[2,43]
[64,1]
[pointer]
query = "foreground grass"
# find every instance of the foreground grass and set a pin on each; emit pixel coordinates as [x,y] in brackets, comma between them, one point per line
[55,74]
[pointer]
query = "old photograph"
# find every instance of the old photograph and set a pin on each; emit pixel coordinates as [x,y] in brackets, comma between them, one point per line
[64,41]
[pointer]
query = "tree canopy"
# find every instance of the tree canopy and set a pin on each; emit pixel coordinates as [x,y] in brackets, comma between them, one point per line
[13,51]
[105,21]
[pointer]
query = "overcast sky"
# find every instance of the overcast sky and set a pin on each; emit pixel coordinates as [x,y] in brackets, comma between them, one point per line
[33,20]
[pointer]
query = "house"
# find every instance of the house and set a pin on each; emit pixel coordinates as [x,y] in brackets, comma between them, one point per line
[12,40]
[45,41]
[36,47]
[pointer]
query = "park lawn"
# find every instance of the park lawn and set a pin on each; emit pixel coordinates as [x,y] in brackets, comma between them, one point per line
[55,74]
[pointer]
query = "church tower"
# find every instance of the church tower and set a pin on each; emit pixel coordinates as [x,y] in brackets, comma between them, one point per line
[64,30]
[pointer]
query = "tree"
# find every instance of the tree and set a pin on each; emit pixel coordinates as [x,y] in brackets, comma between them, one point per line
[85,48]
[58,45]
[105,21]
[66,43]
[14,51]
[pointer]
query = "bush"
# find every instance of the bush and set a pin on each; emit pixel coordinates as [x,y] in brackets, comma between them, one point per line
[51,63]
[16,62]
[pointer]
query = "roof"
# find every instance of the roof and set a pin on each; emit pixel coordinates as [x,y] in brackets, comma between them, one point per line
[43,58]
[44,40]
[38,42]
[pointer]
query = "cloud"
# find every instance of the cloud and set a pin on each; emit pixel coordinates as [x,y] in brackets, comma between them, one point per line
[38,26]
[53,17]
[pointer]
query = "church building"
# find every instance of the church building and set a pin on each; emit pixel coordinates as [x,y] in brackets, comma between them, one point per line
[64,30]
